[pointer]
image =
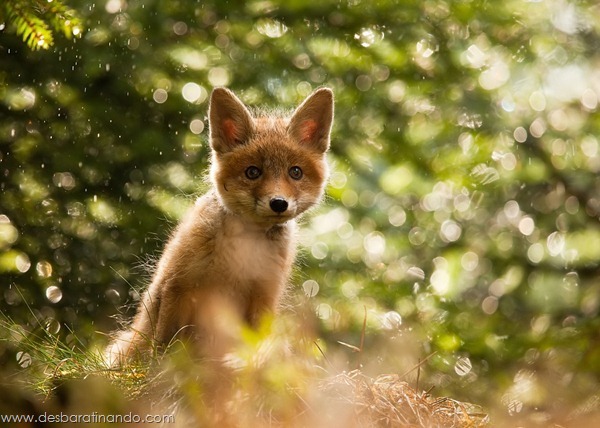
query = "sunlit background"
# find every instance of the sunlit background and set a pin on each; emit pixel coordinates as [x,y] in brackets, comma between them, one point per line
[463,208]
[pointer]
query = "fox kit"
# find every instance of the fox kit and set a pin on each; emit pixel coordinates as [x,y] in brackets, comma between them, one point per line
[229,259]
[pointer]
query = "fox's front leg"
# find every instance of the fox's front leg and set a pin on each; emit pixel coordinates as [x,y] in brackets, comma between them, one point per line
[175,318]
[261,302]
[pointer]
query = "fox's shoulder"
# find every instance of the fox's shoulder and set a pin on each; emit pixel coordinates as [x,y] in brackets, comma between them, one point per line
[209,201]
[206,214]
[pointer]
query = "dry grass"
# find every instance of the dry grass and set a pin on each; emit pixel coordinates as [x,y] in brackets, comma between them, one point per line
[388,401]
[348,399]
[266,383]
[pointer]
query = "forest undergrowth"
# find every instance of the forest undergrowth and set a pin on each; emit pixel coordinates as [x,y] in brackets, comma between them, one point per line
[281,375]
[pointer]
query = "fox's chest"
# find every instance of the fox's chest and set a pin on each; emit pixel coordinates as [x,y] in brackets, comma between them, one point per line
[247,254]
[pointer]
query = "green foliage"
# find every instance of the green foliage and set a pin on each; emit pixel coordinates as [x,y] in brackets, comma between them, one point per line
[32,21]
[463,205]
[45,356]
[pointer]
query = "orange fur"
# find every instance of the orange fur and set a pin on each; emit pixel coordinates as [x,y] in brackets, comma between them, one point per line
[228,261]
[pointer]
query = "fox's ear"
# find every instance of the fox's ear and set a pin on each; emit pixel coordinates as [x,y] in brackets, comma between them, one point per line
[311,122]
[229,120]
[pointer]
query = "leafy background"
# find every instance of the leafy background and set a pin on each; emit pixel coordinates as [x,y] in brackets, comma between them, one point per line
[463,211]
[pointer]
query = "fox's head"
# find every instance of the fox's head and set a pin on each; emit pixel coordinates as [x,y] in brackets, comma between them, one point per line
[269,169]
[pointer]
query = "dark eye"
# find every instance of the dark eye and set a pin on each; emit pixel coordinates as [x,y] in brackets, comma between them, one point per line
[253,172]
[295,172]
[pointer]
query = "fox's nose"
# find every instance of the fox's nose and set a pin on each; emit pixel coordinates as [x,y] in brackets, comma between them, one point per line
[278,204]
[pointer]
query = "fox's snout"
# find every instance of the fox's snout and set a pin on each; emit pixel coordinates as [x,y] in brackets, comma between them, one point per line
[278,204]
[277,207]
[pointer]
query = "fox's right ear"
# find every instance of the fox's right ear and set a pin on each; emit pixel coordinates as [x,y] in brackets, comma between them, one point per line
[230,122]
[311,122]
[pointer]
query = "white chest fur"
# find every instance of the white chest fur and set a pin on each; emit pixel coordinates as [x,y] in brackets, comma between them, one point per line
[247,253]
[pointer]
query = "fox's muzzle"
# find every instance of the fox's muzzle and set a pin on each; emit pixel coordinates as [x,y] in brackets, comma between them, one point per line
[278,204]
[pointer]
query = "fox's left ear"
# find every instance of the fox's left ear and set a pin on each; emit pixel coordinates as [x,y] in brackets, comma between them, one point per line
[311,122]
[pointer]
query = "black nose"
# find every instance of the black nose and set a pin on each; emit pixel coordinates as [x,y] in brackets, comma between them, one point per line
[278,205]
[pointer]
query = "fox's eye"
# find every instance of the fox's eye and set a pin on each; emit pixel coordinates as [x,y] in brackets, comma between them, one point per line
[253,172]
[295,172]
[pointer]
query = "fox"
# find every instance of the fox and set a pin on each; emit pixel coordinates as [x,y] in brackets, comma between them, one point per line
[228,262]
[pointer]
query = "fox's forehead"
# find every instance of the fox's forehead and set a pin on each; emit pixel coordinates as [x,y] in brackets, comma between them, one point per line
[270,146]
[270,124]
